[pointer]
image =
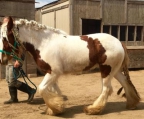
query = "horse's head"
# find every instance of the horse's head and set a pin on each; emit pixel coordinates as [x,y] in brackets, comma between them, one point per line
[8,45]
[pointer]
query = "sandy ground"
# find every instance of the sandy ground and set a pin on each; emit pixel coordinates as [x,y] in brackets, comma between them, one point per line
[81,90]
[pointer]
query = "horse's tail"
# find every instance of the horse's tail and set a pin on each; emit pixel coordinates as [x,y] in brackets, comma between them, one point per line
[124,68]
[126,72]
[126,58]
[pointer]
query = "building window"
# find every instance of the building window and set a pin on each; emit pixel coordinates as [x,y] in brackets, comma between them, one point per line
[106,29]
[115,31]
[131,35]
[139,33]
[123,33]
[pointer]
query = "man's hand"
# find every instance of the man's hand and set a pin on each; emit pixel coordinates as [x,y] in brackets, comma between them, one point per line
[16,64]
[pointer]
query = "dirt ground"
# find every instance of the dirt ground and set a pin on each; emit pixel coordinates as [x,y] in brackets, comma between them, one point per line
[81,90]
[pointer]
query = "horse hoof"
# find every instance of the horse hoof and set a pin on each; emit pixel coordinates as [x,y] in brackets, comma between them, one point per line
[131,108]
[86,110]
[55,111]
[92,111]
[49,112]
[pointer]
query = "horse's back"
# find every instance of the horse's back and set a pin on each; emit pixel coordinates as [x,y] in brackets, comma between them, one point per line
[108,42]
[80,49]
[105,38]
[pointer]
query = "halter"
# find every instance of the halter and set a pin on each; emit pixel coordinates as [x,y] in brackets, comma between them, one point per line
[16,43]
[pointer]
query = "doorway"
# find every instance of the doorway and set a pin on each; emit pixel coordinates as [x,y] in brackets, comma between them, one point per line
[90,26]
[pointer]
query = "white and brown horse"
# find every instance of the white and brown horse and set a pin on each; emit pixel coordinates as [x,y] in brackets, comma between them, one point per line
[57,53]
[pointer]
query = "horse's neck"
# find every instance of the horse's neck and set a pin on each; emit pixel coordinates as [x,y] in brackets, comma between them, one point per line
[34,37]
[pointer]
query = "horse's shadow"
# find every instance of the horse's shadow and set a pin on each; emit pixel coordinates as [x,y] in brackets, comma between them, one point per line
[115,107]
[35,101]
[111,107]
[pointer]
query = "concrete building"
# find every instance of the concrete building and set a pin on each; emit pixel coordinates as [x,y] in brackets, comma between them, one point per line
[123,19]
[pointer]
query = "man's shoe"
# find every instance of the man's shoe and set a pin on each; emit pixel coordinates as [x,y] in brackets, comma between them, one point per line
[10,101]
[31,95]
[13,95]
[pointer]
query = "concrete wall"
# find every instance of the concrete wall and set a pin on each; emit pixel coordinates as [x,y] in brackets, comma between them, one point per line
[23,9]
[57,16]
[38,15]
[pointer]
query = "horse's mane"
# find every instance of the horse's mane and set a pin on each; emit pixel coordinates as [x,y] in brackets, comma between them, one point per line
[36,26]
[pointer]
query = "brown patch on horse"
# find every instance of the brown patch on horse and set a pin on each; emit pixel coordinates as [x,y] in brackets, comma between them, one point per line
[96,51]
[10,35]
[6,46]
[105,70]
[45,67]
[0,23]
[10,24]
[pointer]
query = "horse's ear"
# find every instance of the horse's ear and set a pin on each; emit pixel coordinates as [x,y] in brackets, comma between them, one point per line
[10,23]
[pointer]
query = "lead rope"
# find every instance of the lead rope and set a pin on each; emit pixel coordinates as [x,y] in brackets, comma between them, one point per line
[23,74]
